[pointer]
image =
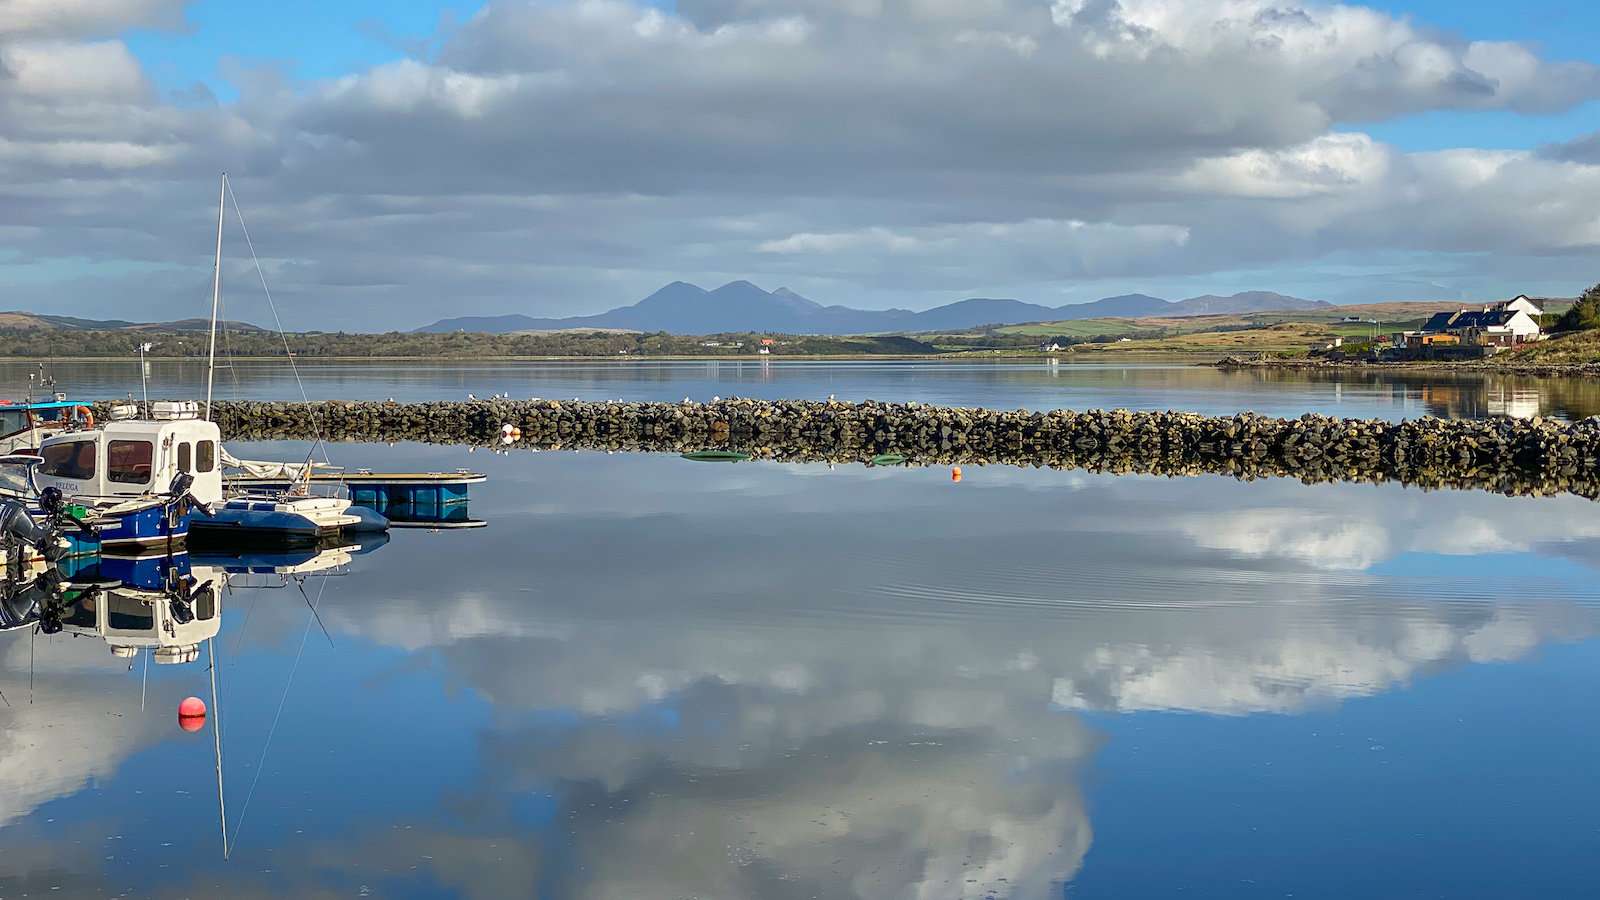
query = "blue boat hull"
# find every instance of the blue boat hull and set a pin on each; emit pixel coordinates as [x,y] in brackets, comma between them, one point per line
[148,526]
[149,573]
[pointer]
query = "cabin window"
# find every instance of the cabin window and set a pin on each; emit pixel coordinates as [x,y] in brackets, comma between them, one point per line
[129,614]
[13,421]
[72,459]
[184,451]
[128,462]
[81,614]
[205,456]
[205,605]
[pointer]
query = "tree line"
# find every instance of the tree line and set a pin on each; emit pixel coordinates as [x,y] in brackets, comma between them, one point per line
[42,343]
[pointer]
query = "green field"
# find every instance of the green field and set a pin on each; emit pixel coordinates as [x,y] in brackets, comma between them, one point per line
[1073,328]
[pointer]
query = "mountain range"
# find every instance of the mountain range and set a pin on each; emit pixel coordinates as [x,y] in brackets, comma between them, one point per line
[20,319]
[683,308]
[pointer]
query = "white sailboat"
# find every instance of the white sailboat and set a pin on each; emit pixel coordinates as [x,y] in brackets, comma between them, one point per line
[292,512]
[143,454]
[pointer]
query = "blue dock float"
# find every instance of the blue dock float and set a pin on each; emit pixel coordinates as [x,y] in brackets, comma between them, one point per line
[379,490]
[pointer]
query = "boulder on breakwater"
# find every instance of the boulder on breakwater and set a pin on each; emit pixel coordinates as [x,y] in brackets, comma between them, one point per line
[1510,456]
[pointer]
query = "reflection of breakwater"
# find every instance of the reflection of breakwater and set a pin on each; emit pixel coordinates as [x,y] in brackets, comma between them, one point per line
[1510,456]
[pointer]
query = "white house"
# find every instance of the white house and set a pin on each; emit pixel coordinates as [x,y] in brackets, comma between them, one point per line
[1524,303]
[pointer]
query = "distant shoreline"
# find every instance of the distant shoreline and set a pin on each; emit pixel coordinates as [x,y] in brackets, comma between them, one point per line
[1187,357]
[960,356]
[1486,366]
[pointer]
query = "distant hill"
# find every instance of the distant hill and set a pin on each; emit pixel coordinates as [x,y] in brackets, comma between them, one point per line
[20,319]
[683,308]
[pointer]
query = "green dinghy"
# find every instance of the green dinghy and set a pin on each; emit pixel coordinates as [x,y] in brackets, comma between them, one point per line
[716,456]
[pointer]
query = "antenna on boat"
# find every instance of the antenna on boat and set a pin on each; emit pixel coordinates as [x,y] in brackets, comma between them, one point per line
[216,296]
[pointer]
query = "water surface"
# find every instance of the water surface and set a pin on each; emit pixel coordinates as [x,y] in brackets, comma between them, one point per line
[649,677]
[996,385]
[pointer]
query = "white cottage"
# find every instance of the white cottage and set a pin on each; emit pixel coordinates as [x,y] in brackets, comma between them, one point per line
[1523,303]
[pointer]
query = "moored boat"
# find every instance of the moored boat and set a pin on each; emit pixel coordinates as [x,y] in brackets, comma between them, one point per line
[25,424]
[142,481]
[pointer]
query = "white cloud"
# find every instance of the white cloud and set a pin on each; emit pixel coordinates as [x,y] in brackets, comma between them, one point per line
[79,18]
[54,70]
[1329,164]
[568,156]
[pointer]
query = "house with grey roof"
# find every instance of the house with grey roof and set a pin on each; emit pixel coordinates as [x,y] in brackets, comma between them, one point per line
[1497,325]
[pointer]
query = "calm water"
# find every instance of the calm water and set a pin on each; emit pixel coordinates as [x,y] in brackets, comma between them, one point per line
[649,678]
[1034,385]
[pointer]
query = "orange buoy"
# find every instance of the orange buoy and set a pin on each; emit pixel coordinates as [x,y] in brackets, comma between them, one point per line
[955,473]
[192,714]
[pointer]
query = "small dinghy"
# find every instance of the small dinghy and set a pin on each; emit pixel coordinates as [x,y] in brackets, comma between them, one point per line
[716,456]
[283,518]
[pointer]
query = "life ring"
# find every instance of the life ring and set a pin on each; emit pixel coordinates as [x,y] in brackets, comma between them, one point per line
[86,414]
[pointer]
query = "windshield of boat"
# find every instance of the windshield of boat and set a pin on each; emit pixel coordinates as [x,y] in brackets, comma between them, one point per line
[13,421]
[14,479]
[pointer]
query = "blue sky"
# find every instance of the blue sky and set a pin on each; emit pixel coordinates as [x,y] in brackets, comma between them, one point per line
[1561,29]
[312,39]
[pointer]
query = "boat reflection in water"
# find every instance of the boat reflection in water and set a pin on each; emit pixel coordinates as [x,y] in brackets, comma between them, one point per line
[23,592]
[164,605]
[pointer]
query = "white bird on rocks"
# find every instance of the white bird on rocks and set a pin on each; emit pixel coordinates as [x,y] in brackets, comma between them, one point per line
[830,398]
[716,399]
[472,396]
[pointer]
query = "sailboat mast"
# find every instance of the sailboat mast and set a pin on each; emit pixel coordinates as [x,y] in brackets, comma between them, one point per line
[216,295]
[216,735]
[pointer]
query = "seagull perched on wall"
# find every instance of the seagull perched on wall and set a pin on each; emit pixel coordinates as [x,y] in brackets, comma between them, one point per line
[472,396]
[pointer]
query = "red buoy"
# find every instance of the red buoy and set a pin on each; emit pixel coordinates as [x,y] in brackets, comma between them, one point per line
[192,714]
[955,473]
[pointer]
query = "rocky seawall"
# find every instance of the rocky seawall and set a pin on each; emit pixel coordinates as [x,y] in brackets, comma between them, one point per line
[1509,456]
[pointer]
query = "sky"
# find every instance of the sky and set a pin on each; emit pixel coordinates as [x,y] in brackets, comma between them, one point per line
[401,163]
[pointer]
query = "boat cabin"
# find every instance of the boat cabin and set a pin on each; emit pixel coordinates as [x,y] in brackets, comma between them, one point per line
[133,458]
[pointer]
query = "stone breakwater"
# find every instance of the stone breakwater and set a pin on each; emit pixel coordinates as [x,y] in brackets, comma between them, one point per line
[1509,456]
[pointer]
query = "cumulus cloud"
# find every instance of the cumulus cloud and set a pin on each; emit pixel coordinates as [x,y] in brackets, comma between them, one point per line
[1041,248]
[86,18]
[567,156]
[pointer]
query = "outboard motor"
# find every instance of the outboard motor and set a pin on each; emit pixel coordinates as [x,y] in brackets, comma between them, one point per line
[54,505]
[182,592]
[39,602]
[179,492]
[16,524]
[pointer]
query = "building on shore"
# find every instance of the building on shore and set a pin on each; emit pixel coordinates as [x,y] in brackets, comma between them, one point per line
[1504,324]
